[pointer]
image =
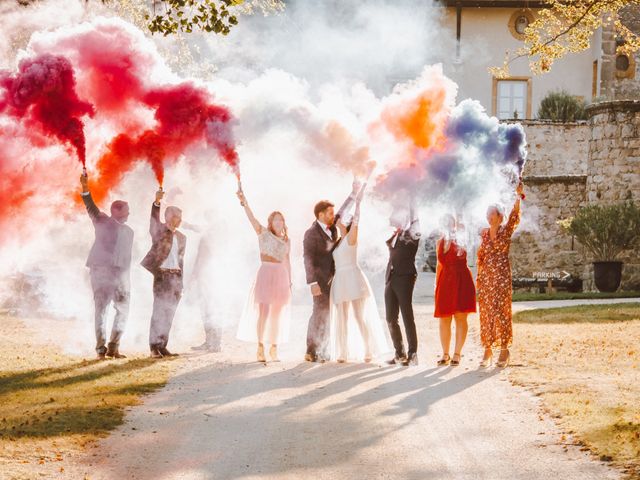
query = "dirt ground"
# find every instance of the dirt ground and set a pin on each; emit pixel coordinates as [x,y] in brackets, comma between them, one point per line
[585,365]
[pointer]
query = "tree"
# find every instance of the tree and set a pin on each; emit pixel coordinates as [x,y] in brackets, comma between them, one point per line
[567,26]
[218,16]
[171,16]
[185,16]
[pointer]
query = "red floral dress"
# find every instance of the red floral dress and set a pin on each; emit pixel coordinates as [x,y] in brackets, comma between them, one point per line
[455,292]
[494,284]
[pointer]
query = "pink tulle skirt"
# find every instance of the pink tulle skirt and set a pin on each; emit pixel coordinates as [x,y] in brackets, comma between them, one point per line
[272,287]
[272,284]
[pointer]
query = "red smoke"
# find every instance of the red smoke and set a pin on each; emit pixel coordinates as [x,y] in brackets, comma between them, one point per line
[184,113]
[139,117]
[139,114]
[43,95]
[184,116]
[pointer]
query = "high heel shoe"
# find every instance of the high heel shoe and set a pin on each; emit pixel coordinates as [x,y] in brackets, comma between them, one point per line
[504,363]
[445,360]
[486,361]
[454,362]
[260,353]
[273,353]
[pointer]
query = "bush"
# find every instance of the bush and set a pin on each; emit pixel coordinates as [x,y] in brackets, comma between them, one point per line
[561,107]
[605,231]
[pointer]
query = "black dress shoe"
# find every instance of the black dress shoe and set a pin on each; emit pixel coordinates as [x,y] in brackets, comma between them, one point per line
[155,353]
[166,353]
[397,361]
[412,360]
[114,352]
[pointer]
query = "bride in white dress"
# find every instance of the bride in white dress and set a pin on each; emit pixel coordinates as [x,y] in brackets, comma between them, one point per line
[350,290]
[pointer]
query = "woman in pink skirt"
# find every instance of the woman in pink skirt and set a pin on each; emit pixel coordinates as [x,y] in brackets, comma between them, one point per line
[267,312]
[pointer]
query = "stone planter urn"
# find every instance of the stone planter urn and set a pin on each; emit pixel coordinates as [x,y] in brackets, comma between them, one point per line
[607,276]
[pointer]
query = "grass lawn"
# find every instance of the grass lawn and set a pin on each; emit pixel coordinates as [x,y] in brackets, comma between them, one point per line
[529,297]
[55,404]
[585,364]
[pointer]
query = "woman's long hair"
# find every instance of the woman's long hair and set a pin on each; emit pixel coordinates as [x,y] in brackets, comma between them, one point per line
[285,230]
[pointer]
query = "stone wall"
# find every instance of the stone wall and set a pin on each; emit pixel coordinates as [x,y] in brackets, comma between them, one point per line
[614,165]
[540,245]
[556,148]
[555,176]
[614,152]
[569,166]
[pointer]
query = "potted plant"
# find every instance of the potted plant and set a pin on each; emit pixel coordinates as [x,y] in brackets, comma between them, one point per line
[606,231]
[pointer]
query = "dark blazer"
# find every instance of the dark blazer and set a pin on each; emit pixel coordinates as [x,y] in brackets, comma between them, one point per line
[318,256]
[162,239]
[402,257]
[114,240]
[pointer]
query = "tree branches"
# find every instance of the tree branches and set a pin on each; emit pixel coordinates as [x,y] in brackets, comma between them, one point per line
[567,26]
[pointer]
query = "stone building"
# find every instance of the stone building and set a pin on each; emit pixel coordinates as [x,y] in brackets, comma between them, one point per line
[482,31]
[618,72]
[569,165]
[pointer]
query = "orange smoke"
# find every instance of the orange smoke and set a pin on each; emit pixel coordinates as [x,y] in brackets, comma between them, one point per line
[420,120]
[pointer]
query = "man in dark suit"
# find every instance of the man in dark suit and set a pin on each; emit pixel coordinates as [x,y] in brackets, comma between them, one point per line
[165,261]
[319,242]
[400,280]
[109,265]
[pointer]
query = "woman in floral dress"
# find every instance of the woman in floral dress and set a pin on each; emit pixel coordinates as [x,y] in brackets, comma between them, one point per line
[494,282]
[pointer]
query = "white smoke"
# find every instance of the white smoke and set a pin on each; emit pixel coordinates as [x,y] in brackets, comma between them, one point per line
[284,77]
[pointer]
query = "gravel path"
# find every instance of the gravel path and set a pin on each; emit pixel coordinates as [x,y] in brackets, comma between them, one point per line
[225,417]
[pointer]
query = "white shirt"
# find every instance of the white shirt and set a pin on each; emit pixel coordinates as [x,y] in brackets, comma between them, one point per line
[395,239]
[172,261]
[325,229]
[413,229]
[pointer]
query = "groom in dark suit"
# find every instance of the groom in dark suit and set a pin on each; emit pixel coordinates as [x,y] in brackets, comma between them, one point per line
[319,242]
[400,280]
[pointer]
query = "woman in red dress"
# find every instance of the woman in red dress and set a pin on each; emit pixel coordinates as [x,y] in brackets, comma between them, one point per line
[455,292]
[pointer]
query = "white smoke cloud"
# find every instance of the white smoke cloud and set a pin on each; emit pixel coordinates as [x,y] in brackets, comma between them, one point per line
[284,77]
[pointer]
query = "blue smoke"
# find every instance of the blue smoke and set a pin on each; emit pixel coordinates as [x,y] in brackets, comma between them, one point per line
[497,143]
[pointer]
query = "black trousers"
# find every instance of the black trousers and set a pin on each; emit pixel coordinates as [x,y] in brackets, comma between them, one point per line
[318,330]
[398,298]
[167,291]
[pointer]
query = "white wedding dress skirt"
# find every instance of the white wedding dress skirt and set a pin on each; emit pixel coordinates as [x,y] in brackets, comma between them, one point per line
[350,290]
